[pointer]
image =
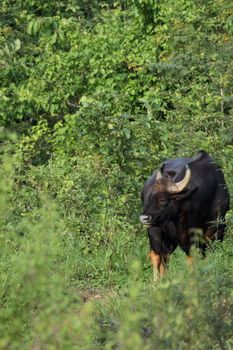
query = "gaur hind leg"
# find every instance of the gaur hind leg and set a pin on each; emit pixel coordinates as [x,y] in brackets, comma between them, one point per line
[219,206]
[215,232]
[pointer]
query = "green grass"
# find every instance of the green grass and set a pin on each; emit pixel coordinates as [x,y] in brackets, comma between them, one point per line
[57,295]
[64,287]
[93,99]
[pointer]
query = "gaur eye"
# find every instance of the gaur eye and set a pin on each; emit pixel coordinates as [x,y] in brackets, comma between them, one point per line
[163,202]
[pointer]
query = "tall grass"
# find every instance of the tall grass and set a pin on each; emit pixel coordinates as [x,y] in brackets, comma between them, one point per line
[58,291]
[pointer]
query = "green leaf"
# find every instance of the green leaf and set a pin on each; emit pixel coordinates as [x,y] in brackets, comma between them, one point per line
[30,27]
[17,44]
[127,132]
[61,34]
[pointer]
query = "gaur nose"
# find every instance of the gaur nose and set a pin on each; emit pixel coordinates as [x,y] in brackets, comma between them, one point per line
[145,219]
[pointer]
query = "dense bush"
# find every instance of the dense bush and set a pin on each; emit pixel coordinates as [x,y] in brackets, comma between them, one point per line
[95,95]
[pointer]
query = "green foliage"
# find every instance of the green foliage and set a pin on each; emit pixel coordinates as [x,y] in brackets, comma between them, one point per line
[95,95]
[187,310]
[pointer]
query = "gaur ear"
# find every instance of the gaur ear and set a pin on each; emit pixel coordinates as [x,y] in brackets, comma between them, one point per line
[183,195]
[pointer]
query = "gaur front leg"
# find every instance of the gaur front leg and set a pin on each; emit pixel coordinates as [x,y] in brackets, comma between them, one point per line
[159,263]
[189,260]
[159,251]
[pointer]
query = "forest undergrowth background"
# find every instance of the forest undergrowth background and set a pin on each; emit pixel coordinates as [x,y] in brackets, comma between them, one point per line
[94,96]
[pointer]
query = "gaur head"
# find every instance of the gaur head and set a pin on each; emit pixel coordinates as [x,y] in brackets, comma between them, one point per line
[164,199]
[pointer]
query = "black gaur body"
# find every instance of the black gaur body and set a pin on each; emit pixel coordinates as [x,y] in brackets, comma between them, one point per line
[185,203]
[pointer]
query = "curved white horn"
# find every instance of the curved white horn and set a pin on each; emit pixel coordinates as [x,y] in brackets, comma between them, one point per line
[159,175]
[176,187]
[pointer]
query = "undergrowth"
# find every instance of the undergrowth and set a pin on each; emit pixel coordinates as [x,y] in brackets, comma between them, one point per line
[95,95]
[57,294]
